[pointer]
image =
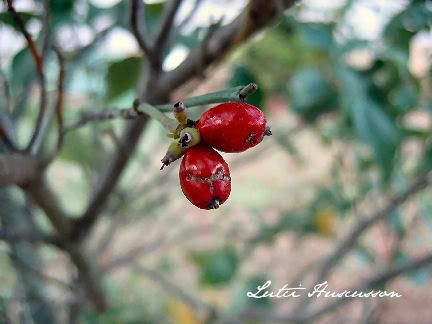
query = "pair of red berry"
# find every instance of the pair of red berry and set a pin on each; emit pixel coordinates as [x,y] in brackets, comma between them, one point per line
[229,127]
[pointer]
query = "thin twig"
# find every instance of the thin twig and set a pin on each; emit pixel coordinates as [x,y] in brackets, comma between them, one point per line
[46,29]
[40,127]
[232,94]
[134,25]
[34,237]
[133,254]
[351,240]
[23,263]
[31,44]
[59,104]
[166,25]
[186,297]
[379,280]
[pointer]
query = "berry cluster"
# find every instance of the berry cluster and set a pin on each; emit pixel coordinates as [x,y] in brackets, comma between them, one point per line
[229,127]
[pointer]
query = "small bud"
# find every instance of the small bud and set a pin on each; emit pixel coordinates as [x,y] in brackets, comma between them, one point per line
[175,151]
[180,113]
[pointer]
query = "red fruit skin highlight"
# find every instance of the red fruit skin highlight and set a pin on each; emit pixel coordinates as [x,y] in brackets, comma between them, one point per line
[205,177]
[232,127]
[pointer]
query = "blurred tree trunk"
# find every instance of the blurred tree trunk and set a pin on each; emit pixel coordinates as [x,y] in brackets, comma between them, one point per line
[25,259]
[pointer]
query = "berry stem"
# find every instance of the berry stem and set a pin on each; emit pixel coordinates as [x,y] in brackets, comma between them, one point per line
[145,108]
[247,90]
[235,94]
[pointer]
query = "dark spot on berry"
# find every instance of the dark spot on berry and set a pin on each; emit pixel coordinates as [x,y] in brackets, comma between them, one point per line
[251,138]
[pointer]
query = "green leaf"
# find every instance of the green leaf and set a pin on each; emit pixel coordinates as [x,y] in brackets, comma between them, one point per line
[396,223]
[405,98]
[61,11]
[153,12]
[375,128]
[242,301]
[78,148]
[22,69]
[122,75]
[241,76]
[216,267]
[317,35]
[310,93]
[191,40]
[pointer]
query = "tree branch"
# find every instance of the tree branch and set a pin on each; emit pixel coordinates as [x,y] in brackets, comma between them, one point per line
[351,240]
[17,168]
[166,25]
[232,94]
[259,14]
[48,202]
[31,44]
[379,280]
[142,43]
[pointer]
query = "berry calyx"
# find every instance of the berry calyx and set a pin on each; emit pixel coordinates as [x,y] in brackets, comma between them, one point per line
[233,127]
[205,177]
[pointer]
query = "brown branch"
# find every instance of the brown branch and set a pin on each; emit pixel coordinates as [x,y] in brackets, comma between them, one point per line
[379,280]
[17,168]
[39,191]
[37,135]
[166,25]
[260,13]
[31,44]
[104,115]
[59,104]
[186,297]
[351,240]
[34,237]
[134,25]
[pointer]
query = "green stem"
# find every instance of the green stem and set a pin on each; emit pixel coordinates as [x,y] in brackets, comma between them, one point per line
[232,94]
[157,112]
[168,123]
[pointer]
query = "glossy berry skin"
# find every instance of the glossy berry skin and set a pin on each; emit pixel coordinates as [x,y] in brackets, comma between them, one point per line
[205,177]
[232,126]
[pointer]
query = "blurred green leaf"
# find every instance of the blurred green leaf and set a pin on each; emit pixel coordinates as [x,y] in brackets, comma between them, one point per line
[405,98]
[122,75]
[317,35]
[191,40]
[242,76]
[22,68]
[153,12]
[242,301]
[379,131]
[78,148]
[419,277]
[216,267]
[61,11]
[310,93]
[418,17]
[396,223]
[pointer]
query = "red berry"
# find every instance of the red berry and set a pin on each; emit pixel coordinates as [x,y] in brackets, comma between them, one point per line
[205,177]
[233,126]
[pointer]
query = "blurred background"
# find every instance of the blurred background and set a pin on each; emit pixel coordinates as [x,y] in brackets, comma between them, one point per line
[346,87]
